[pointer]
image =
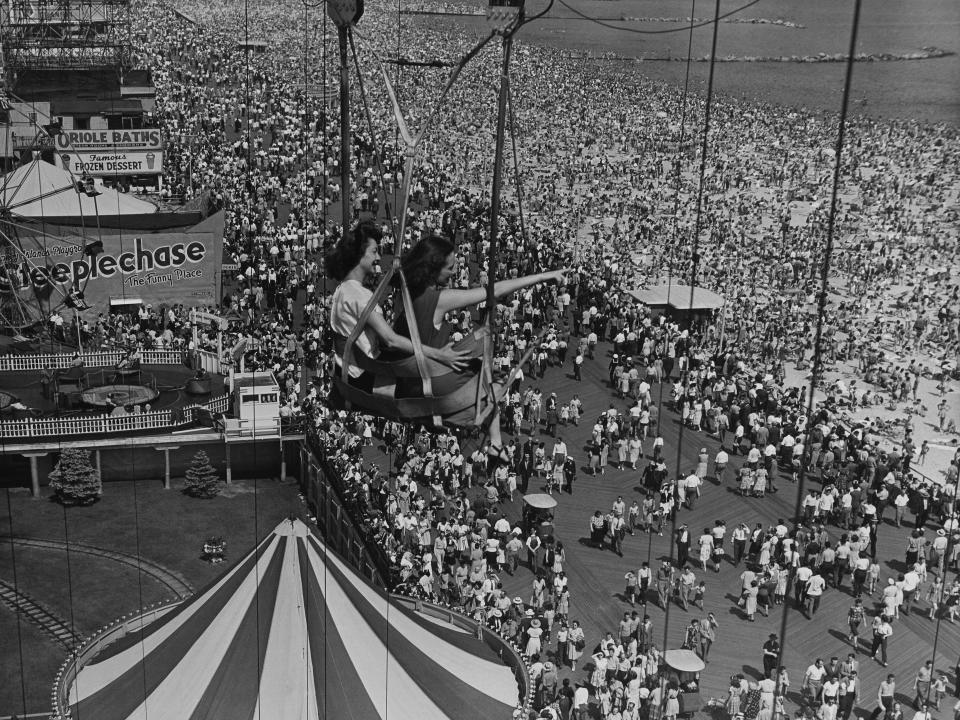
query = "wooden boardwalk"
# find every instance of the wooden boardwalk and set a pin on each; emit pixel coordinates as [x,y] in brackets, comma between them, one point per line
[597,576]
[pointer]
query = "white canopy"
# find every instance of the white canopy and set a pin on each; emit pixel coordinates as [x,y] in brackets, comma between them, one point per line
[42,190]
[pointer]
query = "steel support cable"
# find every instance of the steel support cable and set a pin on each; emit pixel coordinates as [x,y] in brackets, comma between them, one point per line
[377,154]
[695,240]
[716,19]
[16,587]
[412,142]
[940,606]
[324,340]
[256,507]
[822,299]
[676,196]
[516,163]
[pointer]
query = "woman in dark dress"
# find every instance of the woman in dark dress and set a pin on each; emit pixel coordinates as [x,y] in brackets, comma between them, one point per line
[428,267]
[750,705]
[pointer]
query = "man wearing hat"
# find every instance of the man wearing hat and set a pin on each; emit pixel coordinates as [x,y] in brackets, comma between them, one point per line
[683,545]
[548,683]
[534,631]
[581,702]
[771,653]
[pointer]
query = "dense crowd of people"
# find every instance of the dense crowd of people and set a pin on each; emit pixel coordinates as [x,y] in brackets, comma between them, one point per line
[609,194]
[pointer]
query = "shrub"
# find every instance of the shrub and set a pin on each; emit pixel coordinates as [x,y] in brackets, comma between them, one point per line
[74,480]
[202,479]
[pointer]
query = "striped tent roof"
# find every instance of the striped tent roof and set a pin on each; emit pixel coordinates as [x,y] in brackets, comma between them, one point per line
[292,632]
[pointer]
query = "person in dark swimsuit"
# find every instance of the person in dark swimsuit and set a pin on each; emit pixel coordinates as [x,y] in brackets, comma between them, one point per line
[428,268]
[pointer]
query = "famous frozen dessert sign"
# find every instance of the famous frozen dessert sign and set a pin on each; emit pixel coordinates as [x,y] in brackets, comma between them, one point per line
[106,153]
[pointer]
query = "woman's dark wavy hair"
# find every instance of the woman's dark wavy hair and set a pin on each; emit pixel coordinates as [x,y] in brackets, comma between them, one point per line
[347,253]
[422,265]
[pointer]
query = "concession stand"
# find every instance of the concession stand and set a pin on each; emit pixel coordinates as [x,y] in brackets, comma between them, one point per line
[538,514]
[685,666]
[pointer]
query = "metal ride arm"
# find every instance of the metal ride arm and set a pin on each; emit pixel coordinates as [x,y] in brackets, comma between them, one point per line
[411,144]
[504,20]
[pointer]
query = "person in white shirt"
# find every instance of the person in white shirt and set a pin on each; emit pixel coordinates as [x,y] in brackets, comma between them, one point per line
[911,582]
[352,263]
[882,631]
[692,485]
[813,680]
[559,452]
[720,464]
[900,505]
[815,587]
[828,711]
[581,700]
[801,578]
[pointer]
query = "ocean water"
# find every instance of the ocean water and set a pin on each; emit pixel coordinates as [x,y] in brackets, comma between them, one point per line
[923,90]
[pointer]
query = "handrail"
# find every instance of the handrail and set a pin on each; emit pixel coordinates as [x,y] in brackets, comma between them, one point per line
[108,634]
[336,523]
[509,652]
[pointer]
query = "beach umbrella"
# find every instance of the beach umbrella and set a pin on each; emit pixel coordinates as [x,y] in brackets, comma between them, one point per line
[683,660]
[541,501]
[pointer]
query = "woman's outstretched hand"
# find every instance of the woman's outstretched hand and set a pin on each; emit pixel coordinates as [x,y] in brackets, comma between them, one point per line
[455,359]
[558,276]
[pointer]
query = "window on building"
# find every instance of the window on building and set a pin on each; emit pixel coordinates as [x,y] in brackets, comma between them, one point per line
[81,123]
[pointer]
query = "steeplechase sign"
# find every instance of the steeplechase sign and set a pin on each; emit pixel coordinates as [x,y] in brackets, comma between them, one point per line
[163,267]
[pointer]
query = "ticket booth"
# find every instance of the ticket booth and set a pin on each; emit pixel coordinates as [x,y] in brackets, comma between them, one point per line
[256,399]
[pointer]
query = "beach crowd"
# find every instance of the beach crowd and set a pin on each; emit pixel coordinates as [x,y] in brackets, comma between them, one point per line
[608,191]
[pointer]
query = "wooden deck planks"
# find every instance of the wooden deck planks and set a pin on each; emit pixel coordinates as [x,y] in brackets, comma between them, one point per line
[596,576]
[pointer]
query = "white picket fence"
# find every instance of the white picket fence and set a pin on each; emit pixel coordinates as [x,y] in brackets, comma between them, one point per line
[107,424]
[109,358]
[210,362]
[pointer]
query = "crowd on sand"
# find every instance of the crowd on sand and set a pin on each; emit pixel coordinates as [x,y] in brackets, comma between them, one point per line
[609,195]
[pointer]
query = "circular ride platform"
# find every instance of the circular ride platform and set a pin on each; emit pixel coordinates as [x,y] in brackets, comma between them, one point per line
[113,395]
[6,400]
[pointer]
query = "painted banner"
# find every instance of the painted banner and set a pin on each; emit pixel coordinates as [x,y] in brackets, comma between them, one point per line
[109,163]
[165,267]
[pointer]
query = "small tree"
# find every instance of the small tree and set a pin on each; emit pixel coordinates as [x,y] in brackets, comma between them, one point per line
[202,479]
[74,480]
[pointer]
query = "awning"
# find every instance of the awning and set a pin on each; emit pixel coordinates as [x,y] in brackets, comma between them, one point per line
[683,660]
[541,501]
[678,297]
